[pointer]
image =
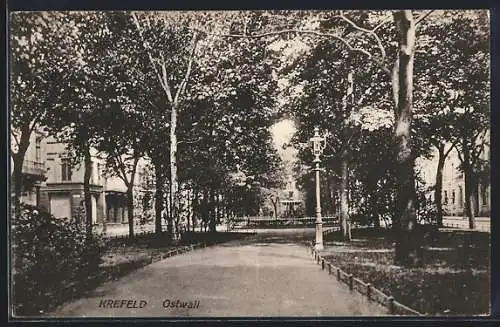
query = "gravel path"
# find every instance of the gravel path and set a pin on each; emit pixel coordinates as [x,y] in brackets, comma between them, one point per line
[264,275]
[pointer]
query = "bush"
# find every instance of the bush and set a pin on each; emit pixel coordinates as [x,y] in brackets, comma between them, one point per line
[48,253]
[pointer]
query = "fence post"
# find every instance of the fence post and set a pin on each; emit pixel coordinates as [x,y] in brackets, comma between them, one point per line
[369,291]
[390,304]
[329,268]
[338,274]
[322,264]
[351,285]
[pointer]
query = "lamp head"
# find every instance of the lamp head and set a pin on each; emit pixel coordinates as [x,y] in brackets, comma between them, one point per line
[318,142]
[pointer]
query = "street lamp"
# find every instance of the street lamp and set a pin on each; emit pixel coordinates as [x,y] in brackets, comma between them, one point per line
[318,144]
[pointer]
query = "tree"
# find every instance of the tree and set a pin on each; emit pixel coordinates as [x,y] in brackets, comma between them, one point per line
[171,54]
[444,96]
[472,103]
[140,88]
[407,244]
[401,76]
[43,51]
[96,83]
[343,119]
[447,42]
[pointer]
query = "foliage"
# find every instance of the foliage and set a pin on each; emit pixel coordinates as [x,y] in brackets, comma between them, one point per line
[452,99]
[454,280]
[357,117]
[48,253]
[42,54]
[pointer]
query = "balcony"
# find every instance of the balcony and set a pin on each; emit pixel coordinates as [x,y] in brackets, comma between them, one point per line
[34,168]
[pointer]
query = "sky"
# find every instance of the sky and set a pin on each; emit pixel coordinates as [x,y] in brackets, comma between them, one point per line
[282,132]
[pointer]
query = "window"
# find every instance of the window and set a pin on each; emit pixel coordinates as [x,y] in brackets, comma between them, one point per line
[484,195]
[453,197]
[92,172]
[460,197]
[65,170]
[38,153]
[445,197]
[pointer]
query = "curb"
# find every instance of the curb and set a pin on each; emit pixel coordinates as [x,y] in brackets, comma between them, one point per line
[365,289]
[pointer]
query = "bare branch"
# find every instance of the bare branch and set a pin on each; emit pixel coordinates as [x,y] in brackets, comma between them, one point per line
[182,86]
[153,105]
[388,19]
[134,170]
[435,142]
[478,148]
[459,154]
[423,16]
[299,31]
[121,168]
[34,123]
[453,144]
[166,85]
[395,85]
[15,137]
[151,60]
[371,32]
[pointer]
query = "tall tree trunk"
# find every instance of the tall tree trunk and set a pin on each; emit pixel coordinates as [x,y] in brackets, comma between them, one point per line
[170,215]
[174,186]
[407,249]
[275,207]
[376,220]
[196,208]
[159,192]
[167,214]
[345,225]
[372,200]
[438,196]
[18,159]
[130,209]
[470,184]
[188,209]
[348,106]
[212,213]
[87,196]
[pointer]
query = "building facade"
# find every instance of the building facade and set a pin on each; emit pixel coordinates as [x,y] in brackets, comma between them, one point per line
[33,170]
[56,185]
[453,193]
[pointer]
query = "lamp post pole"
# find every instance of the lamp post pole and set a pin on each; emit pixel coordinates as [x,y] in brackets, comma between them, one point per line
[319,223]
[318,143]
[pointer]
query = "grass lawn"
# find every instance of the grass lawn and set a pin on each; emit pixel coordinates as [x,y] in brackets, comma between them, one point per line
[454,280]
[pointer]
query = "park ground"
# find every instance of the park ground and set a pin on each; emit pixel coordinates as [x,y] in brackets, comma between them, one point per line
[252,276]
[453,280]
[269,273]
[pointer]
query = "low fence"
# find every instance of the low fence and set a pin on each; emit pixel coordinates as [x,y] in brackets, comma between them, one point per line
[126,236]
[479,228]
[366,289]
[263,221]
